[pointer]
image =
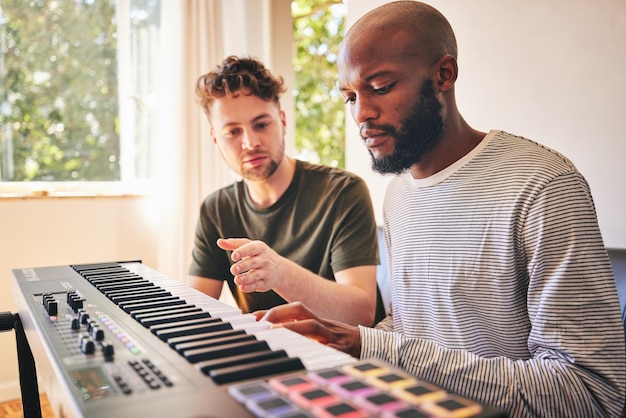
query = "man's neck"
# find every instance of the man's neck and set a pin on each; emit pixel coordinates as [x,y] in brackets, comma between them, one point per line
[266,192]
[458,140]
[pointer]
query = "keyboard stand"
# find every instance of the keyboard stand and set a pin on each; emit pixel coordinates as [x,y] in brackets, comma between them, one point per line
[31,406]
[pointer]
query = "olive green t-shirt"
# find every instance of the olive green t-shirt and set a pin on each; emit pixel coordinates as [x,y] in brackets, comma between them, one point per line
[323,222]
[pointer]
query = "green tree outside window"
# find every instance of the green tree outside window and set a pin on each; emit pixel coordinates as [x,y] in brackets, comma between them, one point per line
[320,112]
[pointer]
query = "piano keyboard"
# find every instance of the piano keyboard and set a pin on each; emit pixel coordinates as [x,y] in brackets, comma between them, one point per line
[223,343]
[121,339]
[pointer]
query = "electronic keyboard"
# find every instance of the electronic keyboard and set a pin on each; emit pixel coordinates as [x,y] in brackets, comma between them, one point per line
[122,340]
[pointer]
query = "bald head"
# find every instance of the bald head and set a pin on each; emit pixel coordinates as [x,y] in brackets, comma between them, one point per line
[425,31]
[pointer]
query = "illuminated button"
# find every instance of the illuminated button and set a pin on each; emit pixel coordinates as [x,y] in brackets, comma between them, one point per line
[364,369]
[333,376]
[452,406]
[339,410]
[390,380]
[420,392]
[353,388]
[313,397]
[256,390]
[286,384]
[272,406]
[379,403]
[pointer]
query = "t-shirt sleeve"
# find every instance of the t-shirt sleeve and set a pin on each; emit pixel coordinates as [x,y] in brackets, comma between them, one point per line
[207,259]
[355,243]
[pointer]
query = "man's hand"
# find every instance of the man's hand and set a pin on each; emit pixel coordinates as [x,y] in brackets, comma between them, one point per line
[257,267]
[297,317]
[351,297]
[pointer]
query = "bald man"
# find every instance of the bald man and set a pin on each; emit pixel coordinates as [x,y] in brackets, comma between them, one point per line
[502,289]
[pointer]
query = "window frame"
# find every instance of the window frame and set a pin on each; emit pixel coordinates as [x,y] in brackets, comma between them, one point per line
[128,184]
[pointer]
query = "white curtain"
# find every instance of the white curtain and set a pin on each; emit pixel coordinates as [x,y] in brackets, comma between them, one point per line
[197,35]
[189,167]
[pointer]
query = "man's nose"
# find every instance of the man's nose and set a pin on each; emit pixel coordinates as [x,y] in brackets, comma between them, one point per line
[249,140]
[363,110]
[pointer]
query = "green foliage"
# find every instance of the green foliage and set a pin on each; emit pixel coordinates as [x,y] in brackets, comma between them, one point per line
[58,91]
[59,95]
[320,114]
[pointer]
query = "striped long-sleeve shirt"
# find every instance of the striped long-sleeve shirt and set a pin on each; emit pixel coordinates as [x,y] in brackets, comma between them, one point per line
[502,290]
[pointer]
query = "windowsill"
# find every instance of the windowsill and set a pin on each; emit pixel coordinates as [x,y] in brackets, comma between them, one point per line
[79,189]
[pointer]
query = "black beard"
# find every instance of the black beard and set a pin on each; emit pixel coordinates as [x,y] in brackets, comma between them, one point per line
[418,134]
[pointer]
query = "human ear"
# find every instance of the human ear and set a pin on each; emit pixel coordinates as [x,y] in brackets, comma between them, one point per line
[447,72]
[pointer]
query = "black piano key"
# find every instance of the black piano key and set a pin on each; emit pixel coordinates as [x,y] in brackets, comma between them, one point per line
[160,310]
[139,295]
[173,318]
[92,274]
[94,266]
[116,281]
[156,299]
[212,342]
[114,277]
[110,284]
[225,350]
[193,329]
[207,366]
[124,292]
[181,324]
[124,284]
[171,310]
[155,304]
[147,286]
[113,281]
[256,370]
[204,336]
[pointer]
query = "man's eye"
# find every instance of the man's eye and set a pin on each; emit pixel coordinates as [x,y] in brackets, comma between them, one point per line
[384,90]
[349,100]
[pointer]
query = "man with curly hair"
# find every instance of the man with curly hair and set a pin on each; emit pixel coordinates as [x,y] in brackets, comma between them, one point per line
[289,230]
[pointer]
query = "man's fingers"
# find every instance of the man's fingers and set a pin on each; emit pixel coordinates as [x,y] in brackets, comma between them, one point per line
[231,244]
[259,314]
[289,312]
[310,328]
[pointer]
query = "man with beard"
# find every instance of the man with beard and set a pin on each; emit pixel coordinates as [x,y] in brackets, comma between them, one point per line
[501,287]
[289,230]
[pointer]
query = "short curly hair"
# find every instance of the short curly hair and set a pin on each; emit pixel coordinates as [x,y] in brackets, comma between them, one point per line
[235,74]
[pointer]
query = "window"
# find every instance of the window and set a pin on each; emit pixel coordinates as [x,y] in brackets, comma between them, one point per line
[78,90]
[65,117]
[320,111]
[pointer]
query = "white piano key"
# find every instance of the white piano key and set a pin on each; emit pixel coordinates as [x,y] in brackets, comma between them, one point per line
[314,355]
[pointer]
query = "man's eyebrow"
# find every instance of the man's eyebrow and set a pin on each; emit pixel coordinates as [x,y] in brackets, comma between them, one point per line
[255,119]
[376,75]
[369,78]
[261,116]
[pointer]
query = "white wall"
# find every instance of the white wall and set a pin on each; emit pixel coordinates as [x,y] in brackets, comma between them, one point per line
[39,232]
[553,71]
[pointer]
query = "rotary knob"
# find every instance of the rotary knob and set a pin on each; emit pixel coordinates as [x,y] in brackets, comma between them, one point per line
[87,346]
[107,349]
[97,333]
